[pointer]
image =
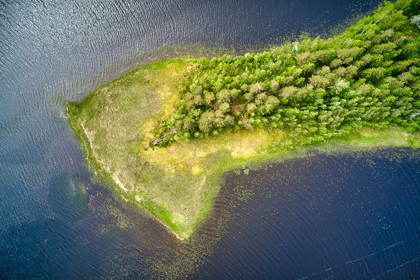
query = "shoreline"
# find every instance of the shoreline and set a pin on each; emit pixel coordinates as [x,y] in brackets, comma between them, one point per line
[177,184]
[363,139]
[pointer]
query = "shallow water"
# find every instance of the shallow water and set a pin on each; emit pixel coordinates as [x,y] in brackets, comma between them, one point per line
[55,223]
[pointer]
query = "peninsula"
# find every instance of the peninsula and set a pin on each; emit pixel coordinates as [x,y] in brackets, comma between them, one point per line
[162,135]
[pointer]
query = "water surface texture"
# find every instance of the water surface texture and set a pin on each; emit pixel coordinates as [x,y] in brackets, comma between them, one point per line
[353,216]
[314,218]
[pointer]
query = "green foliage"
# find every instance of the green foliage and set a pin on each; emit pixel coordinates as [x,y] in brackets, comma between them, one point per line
[315,89]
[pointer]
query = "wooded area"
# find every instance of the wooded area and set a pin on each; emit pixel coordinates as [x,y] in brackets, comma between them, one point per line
[314,89]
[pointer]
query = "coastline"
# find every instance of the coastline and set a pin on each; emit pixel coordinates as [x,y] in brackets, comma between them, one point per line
[178,164]
[331,109]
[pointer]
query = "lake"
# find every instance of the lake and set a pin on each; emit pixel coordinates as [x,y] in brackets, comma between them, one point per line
[348,216]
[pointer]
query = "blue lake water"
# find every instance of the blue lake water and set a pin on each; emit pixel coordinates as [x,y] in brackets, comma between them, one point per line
[318,217]
[352,216]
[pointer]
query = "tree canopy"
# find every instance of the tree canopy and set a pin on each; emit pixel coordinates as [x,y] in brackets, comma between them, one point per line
[315,89]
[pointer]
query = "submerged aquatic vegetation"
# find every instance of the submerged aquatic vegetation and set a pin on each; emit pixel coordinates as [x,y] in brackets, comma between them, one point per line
[235,111]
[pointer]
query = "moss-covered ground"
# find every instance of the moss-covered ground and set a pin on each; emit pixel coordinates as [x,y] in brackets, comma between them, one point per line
[177,184]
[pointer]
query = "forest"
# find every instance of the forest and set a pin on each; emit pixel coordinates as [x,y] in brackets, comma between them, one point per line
[314,89]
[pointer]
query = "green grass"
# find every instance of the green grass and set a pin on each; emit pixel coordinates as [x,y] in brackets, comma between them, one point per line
[176,185]
[107,123]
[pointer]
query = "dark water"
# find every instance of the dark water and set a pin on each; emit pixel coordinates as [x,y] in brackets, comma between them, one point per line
[318,218]
[321,217]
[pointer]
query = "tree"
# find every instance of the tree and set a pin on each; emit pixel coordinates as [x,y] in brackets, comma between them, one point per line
[406,77]
[223,96]
[374,74]
[288,92]
[245,88]
[209,97]
[249,96]
[206,122]
[322,56]
[351,71]
[224,108]
[336,63]
[411,48]
[274,85]
[262,96]
[198,100]
[189,124]
[341,71]
[251,107]
[367,75]
[319,81]
[273,101]
[255,88]
[341,85]
[302,58]
[308,69]
[229,120]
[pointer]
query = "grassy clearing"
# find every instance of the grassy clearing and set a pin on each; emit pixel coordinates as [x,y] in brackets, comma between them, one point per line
[107,122]
[178,184]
